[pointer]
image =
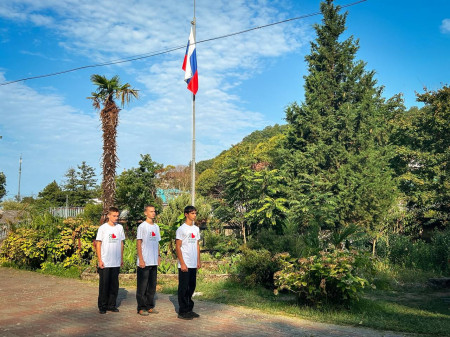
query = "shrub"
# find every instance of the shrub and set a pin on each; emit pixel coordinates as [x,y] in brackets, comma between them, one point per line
[218,242]
[434,256]
[47,240]
[330,276]
[93,212]
[256,267]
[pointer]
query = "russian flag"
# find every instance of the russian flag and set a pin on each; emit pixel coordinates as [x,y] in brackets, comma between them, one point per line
[190,65]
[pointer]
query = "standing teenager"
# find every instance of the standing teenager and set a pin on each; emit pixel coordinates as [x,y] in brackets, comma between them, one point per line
[109,246]
[188,253]
[148,237]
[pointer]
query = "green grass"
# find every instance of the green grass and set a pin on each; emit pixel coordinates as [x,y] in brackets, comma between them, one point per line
[423,311]
[59,270]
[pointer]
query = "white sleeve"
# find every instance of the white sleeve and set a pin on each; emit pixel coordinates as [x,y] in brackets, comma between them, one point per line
[100,234]
[139,235]
[179,234]
[122,233]
[159,233]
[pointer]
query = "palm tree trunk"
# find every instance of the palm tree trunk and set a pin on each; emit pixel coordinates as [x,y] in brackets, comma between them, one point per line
[109,117]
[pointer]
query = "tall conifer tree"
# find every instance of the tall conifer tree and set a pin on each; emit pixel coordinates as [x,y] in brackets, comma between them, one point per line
[336,149]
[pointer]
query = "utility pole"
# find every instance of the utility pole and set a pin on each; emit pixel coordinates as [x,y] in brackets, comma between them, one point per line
[20,173]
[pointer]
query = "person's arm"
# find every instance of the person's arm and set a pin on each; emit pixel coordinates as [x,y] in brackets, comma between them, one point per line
[159,256]
[199,262]
[101,265]
[139,252]
[121,253]
[183,266]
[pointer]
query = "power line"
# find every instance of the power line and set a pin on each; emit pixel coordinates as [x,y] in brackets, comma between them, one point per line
[169,50]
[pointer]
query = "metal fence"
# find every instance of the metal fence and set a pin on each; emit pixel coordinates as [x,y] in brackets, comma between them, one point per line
[66,212]
[4,229]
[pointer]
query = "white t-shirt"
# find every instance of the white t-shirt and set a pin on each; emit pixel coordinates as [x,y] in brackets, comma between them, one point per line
[150,236]
[189,235]
[111,238]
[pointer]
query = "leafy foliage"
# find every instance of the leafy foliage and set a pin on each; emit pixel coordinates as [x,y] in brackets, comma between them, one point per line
[136,188]
[68,242]
[327,277]
[2,185]
[336,151]
[423,157]
[257,267]
[80,184]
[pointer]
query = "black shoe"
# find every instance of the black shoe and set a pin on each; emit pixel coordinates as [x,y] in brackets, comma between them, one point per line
[193,314]
[185,316]
[102,312]
[114,310]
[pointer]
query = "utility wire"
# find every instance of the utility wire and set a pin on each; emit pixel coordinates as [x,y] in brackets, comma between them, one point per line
[166,51]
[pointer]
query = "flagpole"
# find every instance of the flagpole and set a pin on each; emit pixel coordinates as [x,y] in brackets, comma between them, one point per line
[193,133]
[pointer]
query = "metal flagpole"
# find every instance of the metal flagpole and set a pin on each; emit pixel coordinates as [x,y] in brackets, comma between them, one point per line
[193,132]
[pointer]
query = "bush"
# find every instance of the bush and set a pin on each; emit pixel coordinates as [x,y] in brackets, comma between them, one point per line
[434,256]
[93,212]
[47,240]
[330,276]
[218,242]
[256,267]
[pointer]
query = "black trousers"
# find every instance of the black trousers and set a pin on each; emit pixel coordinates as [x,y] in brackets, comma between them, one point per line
[108,288]
[146,287]
[186,287]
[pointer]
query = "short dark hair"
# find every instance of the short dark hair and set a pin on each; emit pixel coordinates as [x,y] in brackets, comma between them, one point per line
[147,206]
[113,209]
[189,209]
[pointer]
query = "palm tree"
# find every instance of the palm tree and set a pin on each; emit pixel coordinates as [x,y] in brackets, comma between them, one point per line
[107,91]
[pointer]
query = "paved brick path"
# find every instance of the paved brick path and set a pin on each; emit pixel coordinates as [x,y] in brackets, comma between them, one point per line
[32,304]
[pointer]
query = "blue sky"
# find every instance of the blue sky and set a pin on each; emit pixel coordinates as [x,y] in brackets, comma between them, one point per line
[245,81]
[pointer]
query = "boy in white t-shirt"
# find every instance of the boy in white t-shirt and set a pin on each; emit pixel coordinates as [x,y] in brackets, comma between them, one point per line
[109,246]
[188,253]
[148,237]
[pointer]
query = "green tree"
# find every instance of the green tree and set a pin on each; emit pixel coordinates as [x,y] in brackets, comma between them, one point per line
[423,157]
[80,184]
[86,183]
[106,92]
[52,195]
[70,187]
[267,205]
[2,185]
[237,194]
[336,148]
[136,188]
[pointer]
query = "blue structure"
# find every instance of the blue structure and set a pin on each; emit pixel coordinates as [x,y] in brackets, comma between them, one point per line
[167,194]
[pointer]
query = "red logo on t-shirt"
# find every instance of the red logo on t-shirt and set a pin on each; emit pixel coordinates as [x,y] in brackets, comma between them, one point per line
[153,234]
[114,236]
[192,235]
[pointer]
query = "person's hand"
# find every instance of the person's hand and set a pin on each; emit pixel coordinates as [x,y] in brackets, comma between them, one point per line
[101,265]
[199,264]
[121,263]
[159,260]
[141,263]
[183,267]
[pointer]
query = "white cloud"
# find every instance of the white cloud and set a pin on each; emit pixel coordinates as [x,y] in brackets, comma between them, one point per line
[445,26]
[49,134]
